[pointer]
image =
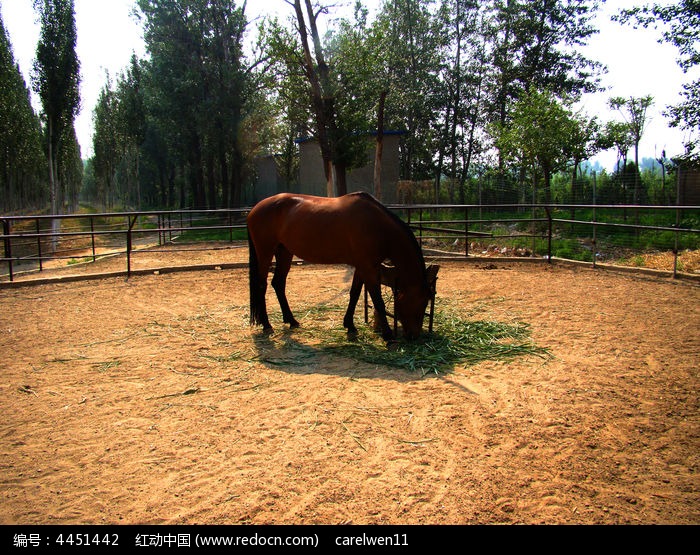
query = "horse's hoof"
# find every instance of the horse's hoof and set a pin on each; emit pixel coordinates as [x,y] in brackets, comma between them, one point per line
[268,331]
[392,345]
[352,334]
[293,325]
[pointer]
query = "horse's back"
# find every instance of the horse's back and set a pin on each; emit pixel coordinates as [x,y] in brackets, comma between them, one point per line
[332,230]
[312,211]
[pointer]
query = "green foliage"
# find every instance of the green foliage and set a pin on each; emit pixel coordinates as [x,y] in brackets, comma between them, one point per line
[539,135]
[56,80]
[681,21]
[173,129]
[571,249]
[184,126]
[23,167]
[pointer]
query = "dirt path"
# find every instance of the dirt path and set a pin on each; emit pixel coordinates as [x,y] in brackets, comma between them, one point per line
[152,401]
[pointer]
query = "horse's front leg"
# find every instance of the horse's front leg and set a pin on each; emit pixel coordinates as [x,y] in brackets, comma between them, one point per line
[355,290]
[375,293]
[283,262]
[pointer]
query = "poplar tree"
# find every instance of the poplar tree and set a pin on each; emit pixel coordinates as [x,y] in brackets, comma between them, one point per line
[634,110]
[21,158]
[56,80]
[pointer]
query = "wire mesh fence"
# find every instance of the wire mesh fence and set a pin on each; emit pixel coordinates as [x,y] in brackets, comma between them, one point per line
[595,234]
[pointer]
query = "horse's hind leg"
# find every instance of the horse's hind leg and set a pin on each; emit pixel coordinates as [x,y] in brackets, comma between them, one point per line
[259,265]
[283,262]
[355,290]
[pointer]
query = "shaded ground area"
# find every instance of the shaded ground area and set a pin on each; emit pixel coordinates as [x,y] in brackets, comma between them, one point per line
[151,400]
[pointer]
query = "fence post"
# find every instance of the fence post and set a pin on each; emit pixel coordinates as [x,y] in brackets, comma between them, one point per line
[38,244]
[678,224]
[420,227]
[92,237]
[8,246]
[549,234]
[466,232]
[160,230]
[129,243]
[595,227]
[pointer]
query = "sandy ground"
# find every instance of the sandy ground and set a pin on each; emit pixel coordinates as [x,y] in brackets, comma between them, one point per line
[151,400]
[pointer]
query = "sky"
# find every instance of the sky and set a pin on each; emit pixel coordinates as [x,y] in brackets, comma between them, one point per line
[108,35]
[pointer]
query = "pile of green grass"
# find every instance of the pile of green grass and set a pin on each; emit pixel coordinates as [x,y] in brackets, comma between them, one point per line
[454,341]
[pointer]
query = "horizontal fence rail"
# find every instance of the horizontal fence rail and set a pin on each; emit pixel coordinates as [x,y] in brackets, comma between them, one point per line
[581,232]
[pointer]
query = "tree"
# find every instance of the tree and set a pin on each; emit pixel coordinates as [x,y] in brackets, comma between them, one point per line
[22,162]
[105,146]
[538,135]
[322,94]
[56,80]
[131,121]
[329,89]
[617,135]
[535,44]
[634,111]
[411,42]
[356,58]
[194,89]
[683,21]
[464,75]
[582,142]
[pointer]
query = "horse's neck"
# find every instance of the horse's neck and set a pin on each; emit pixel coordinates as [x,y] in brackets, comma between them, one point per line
[409,265]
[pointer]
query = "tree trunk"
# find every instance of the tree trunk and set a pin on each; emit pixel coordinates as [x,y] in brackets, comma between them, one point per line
[547,185]
[211,183]
[53,189]
[574,191]
[323,104]
[455,108]
[380,147]
[441,156]
[139,200]
[341,185]
[223,169]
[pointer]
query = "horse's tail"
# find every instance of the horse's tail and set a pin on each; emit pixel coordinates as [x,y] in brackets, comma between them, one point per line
[254,279]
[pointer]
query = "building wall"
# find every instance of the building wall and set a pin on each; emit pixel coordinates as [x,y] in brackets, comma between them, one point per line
[312,180]
[268,180]
[689,187]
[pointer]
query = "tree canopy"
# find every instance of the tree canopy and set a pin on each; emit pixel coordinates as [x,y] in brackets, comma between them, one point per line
[474,87]
[681,28]
[22,163]
[56,80]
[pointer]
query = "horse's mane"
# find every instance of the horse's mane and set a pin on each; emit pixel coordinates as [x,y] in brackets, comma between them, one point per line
[403,225]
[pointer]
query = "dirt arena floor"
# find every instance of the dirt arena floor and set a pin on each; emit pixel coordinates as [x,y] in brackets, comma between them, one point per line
[151,400]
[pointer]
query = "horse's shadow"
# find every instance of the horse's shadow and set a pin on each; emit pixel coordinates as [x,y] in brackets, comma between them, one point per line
[322,347]
[291,350]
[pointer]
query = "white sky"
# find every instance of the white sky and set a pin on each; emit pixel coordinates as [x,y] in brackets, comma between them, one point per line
[108,35]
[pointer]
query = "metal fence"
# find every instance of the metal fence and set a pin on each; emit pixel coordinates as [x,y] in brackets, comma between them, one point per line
[589,233]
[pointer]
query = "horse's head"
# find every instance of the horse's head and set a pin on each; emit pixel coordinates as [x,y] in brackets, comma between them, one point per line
[412,301]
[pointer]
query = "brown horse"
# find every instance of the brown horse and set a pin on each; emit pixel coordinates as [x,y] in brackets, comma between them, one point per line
[354,229]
